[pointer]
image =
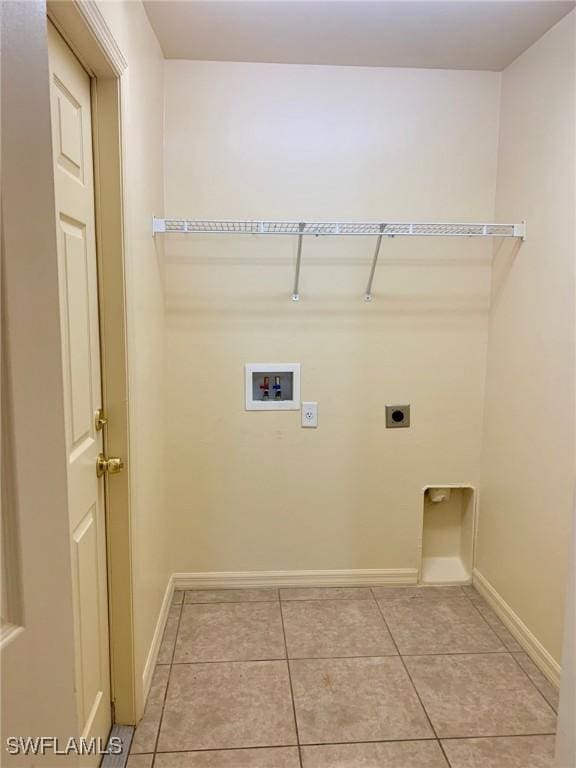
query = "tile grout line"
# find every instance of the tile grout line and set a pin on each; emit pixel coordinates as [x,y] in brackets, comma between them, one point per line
[499,736]
[181,606]
[298,600]
[234,602]
[249,748]
[390,655]
[511,653]
[485,620]
[337,658]
[406,740]
[290,682]
[448,763]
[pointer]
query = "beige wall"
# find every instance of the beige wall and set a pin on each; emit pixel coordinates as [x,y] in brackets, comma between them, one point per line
[254,491]
[142,114]
[528,457]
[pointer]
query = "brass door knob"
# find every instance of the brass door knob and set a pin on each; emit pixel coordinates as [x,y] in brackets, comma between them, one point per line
[110,466]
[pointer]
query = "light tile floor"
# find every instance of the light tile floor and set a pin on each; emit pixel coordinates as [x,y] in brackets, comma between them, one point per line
[388,677]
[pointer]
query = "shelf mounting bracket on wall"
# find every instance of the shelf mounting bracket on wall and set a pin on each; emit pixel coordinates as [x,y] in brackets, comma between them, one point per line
[336,228]
[296,291]
[368,294]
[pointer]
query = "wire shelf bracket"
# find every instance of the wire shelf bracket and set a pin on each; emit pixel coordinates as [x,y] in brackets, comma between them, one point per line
[300,229]
[295,292]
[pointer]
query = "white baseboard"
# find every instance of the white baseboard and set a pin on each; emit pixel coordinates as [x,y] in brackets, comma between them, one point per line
[345,578]
[533,647]
[157,639]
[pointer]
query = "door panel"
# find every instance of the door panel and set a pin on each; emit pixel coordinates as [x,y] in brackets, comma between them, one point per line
[74,192]
[68,130]
[86,572]
[77,338]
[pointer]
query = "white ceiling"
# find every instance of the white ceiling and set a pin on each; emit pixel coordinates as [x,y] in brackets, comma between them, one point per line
[453,34]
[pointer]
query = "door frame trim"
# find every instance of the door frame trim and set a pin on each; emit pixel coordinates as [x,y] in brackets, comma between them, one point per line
[85,30]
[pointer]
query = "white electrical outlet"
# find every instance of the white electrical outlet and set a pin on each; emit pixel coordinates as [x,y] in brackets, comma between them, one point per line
[309,414]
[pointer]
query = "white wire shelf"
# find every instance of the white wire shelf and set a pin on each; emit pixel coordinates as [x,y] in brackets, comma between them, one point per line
[300,229]
[337,228]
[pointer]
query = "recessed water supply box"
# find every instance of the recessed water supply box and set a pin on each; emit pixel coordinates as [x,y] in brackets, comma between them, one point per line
[272,386]
[448,534]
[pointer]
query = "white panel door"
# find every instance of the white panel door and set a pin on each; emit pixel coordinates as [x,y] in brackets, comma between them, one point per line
[74,192]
